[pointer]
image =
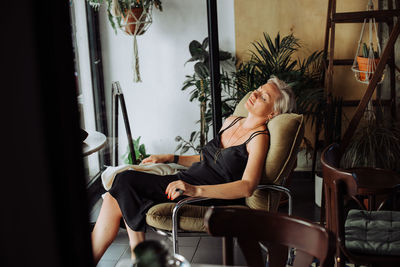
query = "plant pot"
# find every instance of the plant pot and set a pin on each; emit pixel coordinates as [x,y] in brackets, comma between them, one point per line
[318,190]
[363,68]
[131,18]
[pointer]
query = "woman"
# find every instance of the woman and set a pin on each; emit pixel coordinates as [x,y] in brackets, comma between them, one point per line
[230,168]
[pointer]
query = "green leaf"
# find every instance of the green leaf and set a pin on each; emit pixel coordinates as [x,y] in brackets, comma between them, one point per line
[205,43]
[201,70]
[195,49]
[191,136]
[178,147]
[184,149]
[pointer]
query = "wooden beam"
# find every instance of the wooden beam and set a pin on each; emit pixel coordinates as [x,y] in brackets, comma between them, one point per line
[371,87]
[352,17]
[354,103]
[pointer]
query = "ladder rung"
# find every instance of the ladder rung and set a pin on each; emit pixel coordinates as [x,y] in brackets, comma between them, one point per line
[343,61]
[356,17]
[354,103]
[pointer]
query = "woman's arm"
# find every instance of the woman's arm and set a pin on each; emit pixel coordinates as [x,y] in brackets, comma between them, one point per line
[182,160]
[245,187]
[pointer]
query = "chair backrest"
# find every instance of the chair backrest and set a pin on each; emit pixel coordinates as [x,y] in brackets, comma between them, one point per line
[277,231]
[286,134]
[331,172]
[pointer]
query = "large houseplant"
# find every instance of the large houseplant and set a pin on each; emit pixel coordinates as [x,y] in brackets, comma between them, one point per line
[199,83]
[276,57]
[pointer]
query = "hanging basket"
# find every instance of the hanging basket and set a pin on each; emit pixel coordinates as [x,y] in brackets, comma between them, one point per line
[136,21]
[365,66]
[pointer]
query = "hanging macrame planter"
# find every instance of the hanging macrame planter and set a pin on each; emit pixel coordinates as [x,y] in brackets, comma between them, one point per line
[134,21]
[364,66]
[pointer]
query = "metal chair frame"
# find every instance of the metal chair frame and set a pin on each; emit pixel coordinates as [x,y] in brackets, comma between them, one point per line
[173,235]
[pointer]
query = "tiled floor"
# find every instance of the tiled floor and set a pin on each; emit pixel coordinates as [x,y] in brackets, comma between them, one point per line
[208,250]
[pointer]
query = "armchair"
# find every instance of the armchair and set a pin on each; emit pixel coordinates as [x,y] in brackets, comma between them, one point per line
[184,218]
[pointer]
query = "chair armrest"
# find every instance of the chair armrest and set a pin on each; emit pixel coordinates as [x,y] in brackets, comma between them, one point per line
[179,205]
[189,200]
[182,203]
[281,189]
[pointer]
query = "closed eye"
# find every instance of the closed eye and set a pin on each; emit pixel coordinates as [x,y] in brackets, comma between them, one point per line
[262,95]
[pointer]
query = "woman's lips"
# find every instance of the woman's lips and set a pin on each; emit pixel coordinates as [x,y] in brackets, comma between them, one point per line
[251,102]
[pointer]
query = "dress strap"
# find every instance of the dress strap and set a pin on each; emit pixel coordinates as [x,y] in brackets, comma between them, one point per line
[255,134]
[232,123]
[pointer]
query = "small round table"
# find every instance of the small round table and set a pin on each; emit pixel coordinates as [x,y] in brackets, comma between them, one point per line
[93,142]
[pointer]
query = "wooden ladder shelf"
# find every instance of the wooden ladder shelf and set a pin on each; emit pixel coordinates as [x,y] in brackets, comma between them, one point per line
[387,57]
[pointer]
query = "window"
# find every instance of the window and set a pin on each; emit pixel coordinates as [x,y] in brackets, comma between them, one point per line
[89,79]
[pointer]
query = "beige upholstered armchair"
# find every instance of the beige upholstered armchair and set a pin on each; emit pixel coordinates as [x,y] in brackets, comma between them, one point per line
[184,218]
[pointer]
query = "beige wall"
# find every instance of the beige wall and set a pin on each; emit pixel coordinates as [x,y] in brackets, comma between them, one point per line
[306,19]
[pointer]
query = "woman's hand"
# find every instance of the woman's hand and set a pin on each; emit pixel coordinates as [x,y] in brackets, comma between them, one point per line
[177,188]
[159,158]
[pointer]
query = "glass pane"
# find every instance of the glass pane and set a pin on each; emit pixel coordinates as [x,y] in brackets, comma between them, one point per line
[84,82]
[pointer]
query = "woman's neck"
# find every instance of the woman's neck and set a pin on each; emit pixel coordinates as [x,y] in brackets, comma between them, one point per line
[251,122]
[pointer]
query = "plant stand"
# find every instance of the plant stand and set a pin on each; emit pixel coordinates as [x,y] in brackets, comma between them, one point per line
[118,96]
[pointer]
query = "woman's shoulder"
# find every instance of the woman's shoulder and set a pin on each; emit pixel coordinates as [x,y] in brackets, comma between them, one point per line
[229,120]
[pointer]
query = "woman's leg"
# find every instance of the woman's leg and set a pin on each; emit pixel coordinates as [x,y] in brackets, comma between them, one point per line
[106,227]
[134,239]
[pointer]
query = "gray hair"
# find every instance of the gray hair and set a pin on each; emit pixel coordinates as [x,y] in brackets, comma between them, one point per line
[286,102]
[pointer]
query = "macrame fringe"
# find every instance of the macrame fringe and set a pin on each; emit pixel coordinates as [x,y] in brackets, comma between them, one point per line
[136,71]
[115,8]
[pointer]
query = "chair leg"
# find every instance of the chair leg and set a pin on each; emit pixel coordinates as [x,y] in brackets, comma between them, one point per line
[340,260]
[227,249]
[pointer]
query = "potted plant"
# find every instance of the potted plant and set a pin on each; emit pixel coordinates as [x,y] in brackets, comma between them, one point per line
[375,144]
[199,82]
[140,152]
[367,62]
[126,13]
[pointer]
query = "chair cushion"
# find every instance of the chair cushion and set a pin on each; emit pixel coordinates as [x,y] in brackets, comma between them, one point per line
[373,232]
[191,217]
[287,132]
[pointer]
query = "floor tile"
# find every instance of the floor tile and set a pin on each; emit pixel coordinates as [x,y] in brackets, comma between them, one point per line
[208,256]
[107,263]
[210,242]
[126,254]
[187,252]
[122,237]
[115,251]
[152,235]
[188,241]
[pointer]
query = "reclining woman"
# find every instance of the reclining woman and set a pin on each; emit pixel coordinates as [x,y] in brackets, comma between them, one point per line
[229,167]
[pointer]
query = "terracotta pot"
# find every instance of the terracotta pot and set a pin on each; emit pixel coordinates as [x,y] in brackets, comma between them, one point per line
[363,66]
[128,18]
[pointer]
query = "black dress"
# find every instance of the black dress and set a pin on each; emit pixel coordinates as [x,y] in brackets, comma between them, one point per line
[136,192]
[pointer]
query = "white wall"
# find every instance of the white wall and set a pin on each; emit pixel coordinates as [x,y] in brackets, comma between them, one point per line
[158,110]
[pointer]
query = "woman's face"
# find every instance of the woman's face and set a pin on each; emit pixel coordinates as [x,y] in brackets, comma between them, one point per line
[261,101]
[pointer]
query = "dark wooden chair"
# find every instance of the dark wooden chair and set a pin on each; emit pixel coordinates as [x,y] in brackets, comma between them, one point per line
[365,234]
[276,231]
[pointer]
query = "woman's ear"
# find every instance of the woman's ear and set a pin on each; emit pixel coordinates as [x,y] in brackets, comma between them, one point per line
[271,115]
